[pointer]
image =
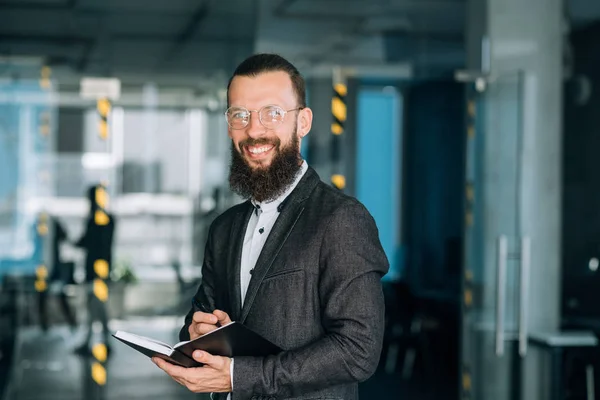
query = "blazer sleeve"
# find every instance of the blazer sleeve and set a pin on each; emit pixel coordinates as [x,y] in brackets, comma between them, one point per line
[204,299]
[352,263]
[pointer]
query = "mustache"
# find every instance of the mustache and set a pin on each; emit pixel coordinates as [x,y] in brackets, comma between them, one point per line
[258,142]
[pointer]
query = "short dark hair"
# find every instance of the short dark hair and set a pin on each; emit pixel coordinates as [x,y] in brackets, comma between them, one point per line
[264,62]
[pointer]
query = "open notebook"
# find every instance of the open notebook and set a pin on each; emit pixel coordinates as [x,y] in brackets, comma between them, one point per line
[231,340]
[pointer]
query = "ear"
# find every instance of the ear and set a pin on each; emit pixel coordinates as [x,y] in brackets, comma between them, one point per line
[304,122]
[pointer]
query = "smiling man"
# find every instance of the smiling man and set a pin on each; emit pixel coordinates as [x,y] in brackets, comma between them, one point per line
[299,262]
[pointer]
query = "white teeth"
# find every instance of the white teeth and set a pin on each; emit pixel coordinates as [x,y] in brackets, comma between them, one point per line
[258,150]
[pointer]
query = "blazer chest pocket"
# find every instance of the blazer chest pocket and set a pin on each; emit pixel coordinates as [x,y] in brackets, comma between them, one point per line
[282,274]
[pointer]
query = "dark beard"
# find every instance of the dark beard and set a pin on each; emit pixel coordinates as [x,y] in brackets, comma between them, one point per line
[265,183]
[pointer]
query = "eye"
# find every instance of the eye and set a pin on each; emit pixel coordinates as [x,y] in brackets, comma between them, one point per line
[238,114]
[273,113]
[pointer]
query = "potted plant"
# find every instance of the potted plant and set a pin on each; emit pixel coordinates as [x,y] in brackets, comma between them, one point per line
[122,275]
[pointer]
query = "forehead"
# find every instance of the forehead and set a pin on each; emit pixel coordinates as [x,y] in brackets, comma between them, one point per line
[265,88]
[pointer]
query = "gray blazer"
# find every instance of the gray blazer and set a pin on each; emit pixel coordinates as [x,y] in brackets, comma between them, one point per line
[315,292]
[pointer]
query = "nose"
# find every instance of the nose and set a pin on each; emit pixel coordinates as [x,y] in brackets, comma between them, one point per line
[255,129]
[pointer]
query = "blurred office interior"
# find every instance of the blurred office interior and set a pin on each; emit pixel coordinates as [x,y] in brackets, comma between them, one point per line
[470,132]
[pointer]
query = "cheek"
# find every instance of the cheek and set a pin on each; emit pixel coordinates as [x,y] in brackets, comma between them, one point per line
[285,135]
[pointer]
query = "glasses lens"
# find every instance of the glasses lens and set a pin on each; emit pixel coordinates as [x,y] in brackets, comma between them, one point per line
[237,117]
[271,116]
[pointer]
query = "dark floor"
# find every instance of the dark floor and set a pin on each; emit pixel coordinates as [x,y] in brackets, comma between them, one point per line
[423,384]
[45,368]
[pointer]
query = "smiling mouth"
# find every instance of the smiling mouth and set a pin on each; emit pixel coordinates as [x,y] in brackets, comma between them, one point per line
[258,151]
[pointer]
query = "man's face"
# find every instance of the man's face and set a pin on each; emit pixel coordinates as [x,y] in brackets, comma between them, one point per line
[258,145]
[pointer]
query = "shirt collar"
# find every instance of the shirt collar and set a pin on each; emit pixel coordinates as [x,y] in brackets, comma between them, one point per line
[266,206]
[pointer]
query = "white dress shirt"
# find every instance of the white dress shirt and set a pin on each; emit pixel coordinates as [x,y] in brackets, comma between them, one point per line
[259,226]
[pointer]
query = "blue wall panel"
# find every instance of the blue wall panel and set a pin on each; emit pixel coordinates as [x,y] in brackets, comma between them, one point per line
[378,175]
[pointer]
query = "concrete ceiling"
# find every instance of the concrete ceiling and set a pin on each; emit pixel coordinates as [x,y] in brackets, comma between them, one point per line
[201,41]
[196,43]
[177,41]
[357,32]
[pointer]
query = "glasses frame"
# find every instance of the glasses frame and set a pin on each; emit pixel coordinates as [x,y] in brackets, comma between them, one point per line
[259,115]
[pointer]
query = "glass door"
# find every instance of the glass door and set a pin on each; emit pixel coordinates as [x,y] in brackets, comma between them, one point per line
[494,313]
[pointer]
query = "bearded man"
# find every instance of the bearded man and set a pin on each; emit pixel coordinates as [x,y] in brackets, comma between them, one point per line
[299,262]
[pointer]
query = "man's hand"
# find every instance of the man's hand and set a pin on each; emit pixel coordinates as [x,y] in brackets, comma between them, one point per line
[213,376]
[203,323]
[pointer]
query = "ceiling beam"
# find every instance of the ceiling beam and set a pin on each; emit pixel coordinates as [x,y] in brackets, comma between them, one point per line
[195,20]
[187,32]
[36,5]
[52,39]
[82,64]
[167,38]
[344,10]
[74,6]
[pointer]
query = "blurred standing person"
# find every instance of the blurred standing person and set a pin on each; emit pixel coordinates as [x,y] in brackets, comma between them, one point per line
[97,242]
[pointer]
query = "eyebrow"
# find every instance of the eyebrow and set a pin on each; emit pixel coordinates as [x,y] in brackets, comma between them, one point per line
[266,104]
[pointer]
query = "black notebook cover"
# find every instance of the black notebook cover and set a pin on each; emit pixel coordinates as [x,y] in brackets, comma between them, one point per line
[232,340]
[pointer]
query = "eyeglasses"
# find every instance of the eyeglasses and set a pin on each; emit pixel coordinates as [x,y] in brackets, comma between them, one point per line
[269,116]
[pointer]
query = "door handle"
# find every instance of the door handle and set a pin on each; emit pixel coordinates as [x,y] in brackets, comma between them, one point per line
[524,294]
[501,293]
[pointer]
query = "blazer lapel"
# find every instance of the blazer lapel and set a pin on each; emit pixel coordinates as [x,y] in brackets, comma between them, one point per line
[292,208]
[236,243]
[280,232]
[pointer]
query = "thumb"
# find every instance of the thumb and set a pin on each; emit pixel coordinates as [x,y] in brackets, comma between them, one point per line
[207,358]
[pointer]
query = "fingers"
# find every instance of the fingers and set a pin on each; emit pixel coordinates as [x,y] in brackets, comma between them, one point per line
[208,359]
[202,323]
[222,316]
[173,370]
[213,376]
[204,318]
[200,329]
